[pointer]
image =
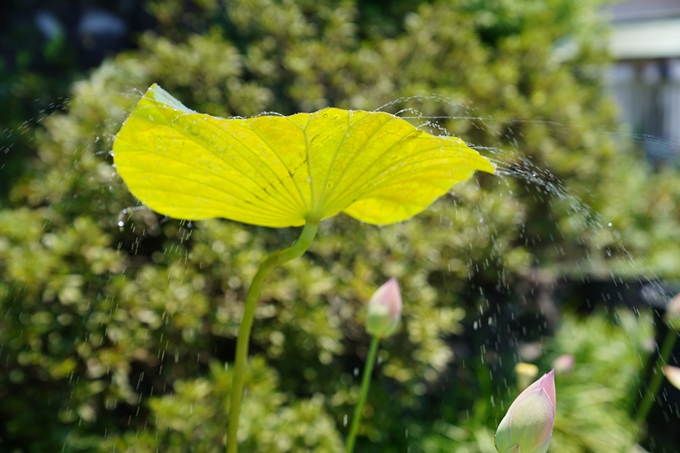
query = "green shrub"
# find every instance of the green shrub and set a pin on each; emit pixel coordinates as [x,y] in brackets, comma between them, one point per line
[104,329]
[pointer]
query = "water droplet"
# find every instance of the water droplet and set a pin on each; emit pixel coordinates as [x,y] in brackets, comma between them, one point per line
[609,224]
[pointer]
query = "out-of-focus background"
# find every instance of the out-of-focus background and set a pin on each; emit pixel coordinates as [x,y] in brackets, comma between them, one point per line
[118,339]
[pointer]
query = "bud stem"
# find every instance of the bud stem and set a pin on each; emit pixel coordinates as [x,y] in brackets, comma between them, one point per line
[273,260]
[657,378]
[365,384]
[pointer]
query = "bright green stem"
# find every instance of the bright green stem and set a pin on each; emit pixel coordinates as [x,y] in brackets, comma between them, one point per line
[657,378]
[276,259]
[365,384]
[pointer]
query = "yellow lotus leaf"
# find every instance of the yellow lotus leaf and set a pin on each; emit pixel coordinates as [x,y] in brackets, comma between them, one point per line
[280,171]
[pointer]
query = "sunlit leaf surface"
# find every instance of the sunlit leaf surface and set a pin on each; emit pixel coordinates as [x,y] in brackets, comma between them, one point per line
[281,171]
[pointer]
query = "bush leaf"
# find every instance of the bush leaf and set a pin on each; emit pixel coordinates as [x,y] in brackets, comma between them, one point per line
[280,171]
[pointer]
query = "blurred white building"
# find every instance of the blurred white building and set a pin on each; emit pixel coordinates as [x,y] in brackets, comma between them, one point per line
[646,76]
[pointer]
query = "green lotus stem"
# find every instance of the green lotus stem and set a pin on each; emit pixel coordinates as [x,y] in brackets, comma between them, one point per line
[657,378]
[253,295]
[365,384]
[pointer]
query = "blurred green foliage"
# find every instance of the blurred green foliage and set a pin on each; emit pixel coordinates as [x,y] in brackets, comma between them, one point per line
[594,399]
[25,93]
[44,47]
[118,338]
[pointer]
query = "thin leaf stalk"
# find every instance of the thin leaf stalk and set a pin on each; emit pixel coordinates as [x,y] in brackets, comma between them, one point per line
[656,380]
[365,384]
[243,339]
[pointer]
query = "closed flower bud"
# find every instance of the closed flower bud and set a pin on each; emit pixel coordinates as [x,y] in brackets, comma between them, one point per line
[527,426]
[384,310]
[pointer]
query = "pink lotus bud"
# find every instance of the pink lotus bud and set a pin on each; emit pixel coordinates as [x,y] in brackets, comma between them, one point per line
[384,310]
[528,425]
